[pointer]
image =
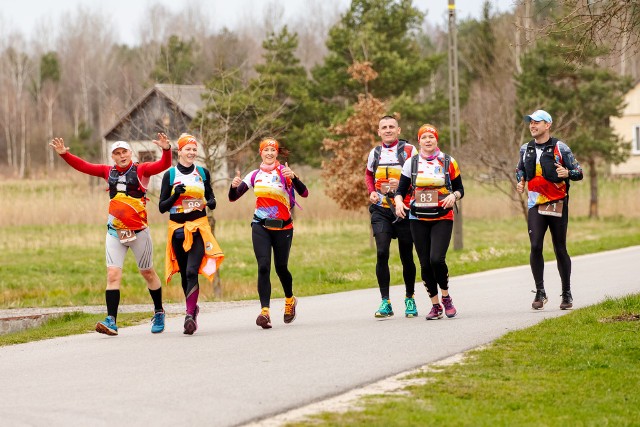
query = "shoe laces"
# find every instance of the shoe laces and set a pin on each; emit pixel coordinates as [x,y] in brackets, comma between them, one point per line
[288,307]
[540,294]
[158,317]
[411,304]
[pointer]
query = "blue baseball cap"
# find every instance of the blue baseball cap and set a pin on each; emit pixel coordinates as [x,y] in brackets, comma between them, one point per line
[538,116]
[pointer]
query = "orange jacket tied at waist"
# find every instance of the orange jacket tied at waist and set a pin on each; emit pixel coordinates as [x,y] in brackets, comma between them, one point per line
[213,255]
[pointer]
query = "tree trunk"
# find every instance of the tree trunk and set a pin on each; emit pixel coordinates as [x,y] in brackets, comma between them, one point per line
[593,184]
[50,153]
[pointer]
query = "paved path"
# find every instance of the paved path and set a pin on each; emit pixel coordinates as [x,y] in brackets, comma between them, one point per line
[232,372]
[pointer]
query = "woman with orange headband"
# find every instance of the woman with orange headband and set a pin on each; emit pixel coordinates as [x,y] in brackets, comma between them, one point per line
[191,247]
[437,185]
[272,224]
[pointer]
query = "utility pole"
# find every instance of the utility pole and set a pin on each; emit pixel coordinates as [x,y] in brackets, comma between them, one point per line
[454,111]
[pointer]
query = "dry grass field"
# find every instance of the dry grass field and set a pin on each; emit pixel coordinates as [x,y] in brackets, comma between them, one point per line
[52,235]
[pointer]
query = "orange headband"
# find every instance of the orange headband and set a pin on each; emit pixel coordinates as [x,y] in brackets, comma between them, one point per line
[427,128]
[269,142]
[186,139]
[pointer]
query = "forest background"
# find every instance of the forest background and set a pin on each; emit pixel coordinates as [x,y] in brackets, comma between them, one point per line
[319,86]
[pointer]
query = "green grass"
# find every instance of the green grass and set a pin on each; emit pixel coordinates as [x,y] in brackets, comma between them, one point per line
[581,369]
[64,265]
[69,324]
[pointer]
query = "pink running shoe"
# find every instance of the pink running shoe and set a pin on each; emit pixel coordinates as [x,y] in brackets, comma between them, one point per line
[449,309]
[435,313]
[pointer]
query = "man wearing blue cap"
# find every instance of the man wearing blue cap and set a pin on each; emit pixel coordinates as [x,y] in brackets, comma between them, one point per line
[548,165]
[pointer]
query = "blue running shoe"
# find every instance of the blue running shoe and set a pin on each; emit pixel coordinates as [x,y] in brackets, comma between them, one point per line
[385,309]
[107,326]
[410,309]
[157,323]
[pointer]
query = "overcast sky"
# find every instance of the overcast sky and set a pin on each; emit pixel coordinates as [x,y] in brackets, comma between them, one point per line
[22,15]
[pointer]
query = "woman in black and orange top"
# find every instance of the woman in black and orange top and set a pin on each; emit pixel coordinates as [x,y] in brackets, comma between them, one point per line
[437,184]
[272,225]
[191,247]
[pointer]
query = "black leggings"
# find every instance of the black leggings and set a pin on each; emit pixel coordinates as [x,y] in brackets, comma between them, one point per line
[280,241]
[189,262]
[432,242]
[405,248]
[538,225]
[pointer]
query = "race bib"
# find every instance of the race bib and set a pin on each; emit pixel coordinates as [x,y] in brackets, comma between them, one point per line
[551,208]
[426,198]
[189,205]
[126,236]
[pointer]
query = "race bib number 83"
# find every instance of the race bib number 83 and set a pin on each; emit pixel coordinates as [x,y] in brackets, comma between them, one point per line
[426,198]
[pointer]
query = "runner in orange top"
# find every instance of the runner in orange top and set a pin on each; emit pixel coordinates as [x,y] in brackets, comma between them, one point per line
[191,248]
[127,222]
[272,226]
[437,184]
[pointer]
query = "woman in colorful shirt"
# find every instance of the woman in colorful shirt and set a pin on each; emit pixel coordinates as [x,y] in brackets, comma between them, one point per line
[272,224]
[191,248]
[437,185]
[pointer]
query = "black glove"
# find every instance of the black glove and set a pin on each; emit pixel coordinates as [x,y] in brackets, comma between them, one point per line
[179,189]
[211,203]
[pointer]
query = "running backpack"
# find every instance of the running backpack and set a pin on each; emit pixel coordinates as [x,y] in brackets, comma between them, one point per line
[172,174]
[433,212]
[401,153]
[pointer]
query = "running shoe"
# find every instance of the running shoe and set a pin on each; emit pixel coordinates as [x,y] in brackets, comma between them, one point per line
[157,323]
[449,309]
[540,300]
[435,313]
[290,309]
[195,315]
[264,320]
[190,325]
[385,309]
[107,326]
[567,301]
[410,309]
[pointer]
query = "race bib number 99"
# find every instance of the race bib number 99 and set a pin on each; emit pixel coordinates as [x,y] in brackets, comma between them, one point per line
[189,205]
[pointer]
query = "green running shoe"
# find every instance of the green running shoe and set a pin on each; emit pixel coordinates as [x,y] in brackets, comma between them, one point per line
[410,309]
[385,309]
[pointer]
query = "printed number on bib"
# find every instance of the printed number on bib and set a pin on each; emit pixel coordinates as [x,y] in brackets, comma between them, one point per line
[385,187]
[126,236]
[426,198]
[189,205]
[551,208]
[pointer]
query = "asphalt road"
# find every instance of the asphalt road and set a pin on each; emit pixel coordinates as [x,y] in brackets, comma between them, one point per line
[232,372]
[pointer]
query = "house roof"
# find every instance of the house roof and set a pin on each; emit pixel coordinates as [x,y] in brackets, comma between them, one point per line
[186,97]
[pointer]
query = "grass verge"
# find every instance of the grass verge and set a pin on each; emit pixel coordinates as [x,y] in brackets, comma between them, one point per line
[580,369]
[69,324]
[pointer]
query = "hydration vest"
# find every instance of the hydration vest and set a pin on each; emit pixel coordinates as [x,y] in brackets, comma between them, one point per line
[401,153]
[433,212]
[547,160]
[127,183]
